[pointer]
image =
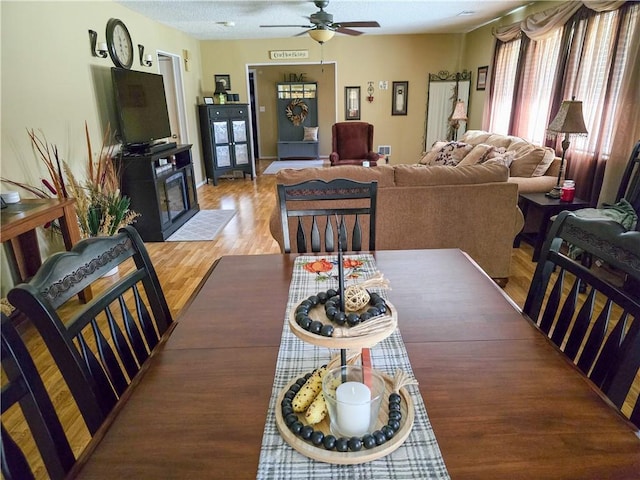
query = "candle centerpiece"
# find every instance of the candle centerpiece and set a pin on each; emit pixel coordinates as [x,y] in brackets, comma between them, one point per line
[353,406]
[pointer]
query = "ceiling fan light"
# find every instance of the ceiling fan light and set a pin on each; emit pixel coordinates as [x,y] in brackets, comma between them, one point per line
[321,35]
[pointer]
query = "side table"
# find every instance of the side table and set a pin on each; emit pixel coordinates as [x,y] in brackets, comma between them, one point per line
[18,233]
[546,207]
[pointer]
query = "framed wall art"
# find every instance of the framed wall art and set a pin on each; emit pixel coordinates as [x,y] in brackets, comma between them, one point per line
[399,96]
[352,103]
[225,79]
[482,78]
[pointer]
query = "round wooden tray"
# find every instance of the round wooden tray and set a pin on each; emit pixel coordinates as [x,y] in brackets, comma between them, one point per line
[364,341]
[350,458]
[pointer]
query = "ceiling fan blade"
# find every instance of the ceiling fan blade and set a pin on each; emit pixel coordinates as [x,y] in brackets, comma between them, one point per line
[348,31]
[282,26]
[303,33]
[358,24]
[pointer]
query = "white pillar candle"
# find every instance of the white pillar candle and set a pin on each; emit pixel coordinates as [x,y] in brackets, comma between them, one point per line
[149,58]
[353,400]
[102,47]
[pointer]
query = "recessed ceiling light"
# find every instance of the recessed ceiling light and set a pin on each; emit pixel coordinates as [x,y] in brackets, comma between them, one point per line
[466,13]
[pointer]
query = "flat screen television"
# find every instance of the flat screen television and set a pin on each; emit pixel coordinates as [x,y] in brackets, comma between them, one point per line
[141,105]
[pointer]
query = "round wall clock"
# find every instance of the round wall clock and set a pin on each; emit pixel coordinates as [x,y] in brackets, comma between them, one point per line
[119,43]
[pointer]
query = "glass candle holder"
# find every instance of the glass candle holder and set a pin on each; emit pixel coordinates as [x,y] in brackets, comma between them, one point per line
[353,395]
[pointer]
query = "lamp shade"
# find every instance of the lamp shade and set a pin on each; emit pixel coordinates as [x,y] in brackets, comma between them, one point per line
[220,88]
[569,119]
[321,35]
[459,112]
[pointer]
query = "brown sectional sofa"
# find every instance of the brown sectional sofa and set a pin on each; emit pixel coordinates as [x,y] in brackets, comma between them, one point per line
[533,169]
[473,208]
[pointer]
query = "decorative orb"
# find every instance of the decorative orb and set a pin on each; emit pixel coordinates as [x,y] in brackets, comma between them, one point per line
[355,298]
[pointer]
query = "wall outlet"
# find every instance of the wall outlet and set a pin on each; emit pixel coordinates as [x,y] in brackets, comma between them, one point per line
[383,85]
[384,150]
[262,109]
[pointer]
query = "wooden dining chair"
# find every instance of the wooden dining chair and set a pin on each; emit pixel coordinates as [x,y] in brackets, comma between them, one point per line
[599,330]
[23,388]
[104,343]
[335,208]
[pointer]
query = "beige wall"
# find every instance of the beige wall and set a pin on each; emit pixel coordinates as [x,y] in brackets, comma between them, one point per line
[358,60]
[50,81]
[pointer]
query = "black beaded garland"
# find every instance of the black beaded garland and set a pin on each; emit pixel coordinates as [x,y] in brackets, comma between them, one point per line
[343,444]
[331,301]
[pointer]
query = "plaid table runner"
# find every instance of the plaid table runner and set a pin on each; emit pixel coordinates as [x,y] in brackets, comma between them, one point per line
[418,457]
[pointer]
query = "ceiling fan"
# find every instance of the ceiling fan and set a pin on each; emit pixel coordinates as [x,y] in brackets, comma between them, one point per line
[323,27]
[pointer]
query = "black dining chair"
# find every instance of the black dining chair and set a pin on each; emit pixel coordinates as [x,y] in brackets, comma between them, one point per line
[105,342]
[24,389]
[340,209]
[599,330]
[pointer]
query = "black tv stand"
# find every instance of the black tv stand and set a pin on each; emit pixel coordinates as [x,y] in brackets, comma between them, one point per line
[149,148]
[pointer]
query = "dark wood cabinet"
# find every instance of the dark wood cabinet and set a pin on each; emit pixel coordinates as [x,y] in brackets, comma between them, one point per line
[226,140]
[162,190]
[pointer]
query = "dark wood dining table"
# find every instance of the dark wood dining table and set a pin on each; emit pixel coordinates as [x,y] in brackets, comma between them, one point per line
[503,402]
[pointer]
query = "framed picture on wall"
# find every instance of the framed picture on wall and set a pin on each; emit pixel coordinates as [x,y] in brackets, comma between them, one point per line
[352,103]
[482,78]
[225,79]
[399,95]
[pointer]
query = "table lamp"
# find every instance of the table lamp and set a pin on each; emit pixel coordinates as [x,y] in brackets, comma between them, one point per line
[221,93]
[570,121]
[459,114]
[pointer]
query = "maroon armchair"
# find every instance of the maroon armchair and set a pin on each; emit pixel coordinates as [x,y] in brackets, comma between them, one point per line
[352,144]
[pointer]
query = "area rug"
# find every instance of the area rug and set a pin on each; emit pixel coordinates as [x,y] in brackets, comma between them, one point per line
[278,165]
[205,225]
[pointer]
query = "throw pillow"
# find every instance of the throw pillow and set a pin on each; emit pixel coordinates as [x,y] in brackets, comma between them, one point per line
[477,154]
[432,154]
[310,134]
[505,159]
[451,154]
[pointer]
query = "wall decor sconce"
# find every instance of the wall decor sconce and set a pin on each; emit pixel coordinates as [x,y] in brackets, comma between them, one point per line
[144,61]
[370,92]
[101,51]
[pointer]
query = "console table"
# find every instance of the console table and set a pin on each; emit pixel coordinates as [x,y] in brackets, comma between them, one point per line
[18,233]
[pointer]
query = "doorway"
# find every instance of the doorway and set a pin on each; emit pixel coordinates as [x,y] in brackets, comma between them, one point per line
[253,101]
[169,68]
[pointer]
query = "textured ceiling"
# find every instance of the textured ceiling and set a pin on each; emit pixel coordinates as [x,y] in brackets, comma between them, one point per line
[205,20]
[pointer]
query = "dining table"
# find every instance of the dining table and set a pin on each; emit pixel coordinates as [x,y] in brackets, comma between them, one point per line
[502,401]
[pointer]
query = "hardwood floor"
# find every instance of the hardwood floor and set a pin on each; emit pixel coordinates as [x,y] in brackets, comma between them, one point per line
[181,266]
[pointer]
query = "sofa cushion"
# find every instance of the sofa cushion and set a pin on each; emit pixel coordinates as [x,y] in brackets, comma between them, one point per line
[451,153]
[498,140]
[526,160]
[543,166]
[383,174]
[413,176]
[474,137]
[477,154]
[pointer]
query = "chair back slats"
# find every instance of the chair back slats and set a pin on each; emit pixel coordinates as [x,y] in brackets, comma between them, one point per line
[596,337]
[14,463]
[566,315]
[126,317]
[124,350]
[347,204]
[599,330]
[23,387]
[580,327]
[552,304]
[108,360]
[103,393]
[146,321]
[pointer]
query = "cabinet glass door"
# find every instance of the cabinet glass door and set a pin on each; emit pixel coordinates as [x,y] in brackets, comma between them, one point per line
[239,131]
[223,156]
[242,153]
[220,132]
